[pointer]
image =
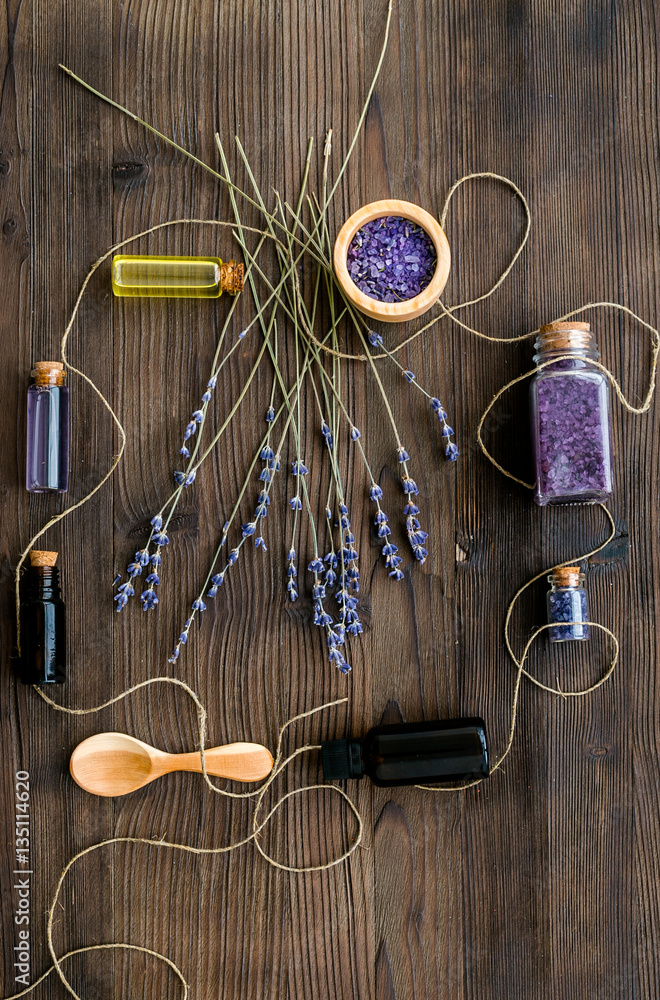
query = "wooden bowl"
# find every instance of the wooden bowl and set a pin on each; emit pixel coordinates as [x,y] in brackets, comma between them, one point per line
[392,312]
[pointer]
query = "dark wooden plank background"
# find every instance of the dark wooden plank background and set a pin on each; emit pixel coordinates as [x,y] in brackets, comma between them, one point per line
[542,883]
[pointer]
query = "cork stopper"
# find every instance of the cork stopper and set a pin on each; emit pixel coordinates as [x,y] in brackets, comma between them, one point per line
[564,325]
[39,558]
[566,576]
[48,373]
[565,336]
[232,276]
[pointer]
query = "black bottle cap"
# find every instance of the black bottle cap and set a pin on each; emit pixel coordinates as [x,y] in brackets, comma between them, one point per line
[341,759]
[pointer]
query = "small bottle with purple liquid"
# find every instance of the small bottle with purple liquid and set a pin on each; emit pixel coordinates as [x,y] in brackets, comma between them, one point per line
[567,602]
[570,410]
[47,464]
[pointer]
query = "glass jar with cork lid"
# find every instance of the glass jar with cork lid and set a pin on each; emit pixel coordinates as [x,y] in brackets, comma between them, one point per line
[47,452]
[570,412]
[567,605]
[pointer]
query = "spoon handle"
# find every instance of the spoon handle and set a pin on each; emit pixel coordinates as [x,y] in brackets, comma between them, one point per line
[237,761]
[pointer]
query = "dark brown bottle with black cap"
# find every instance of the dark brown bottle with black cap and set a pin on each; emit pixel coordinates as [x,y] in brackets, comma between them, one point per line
[411,753]
[43,635]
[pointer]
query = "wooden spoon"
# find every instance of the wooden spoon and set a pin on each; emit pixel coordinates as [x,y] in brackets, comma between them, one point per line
[116,764]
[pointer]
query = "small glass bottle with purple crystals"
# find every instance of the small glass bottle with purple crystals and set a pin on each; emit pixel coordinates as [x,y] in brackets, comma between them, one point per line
[47,464]
[570,410]
[567,602]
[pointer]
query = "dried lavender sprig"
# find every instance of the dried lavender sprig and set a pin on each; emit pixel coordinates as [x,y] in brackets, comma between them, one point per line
[160,536]
[212,578]
[451,449]
[335,632]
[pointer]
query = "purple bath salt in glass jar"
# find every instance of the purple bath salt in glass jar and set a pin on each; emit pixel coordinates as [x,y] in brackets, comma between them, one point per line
[570,411]
[47,464]
[567,602]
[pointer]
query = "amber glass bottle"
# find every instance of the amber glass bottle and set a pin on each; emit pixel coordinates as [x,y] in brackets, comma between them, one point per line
[411,753]
[43,631]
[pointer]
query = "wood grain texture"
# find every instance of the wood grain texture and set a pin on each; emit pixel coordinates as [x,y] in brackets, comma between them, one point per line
[543,882]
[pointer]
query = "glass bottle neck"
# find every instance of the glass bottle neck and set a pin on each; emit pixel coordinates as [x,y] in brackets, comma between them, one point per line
[572,340]
[43,583]
[566,578]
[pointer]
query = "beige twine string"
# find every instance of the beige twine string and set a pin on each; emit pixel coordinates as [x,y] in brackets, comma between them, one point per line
[257,827]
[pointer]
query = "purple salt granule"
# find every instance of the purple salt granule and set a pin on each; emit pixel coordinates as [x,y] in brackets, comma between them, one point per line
[391,259]
[568,605]
[572,438]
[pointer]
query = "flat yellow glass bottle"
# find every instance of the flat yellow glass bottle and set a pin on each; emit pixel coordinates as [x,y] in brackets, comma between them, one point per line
[175,277]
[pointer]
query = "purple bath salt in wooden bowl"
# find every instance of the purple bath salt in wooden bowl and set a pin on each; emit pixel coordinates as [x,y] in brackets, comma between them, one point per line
[392,260]
[570,412]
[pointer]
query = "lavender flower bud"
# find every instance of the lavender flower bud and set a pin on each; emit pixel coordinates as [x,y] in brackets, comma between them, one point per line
[402,454]
[355,434]
[270,415]
[198,605]
[206,397]
[409,376]
[375,339]
[157,522]
[212,382]
[295,503]
[375,492]
[184,451]
[149,599]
